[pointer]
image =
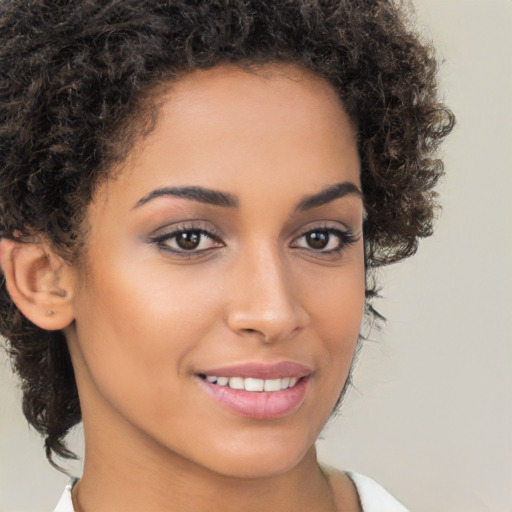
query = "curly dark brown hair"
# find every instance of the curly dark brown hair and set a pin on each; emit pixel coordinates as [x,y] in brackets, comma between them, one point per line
[77,78]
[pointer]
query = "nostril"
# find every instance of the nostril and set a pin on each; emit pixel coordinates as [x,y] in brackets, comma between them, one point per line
[251,332]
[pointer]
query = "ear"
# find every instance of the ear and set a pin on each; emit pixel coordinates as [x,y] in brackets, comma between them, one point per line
[39,282]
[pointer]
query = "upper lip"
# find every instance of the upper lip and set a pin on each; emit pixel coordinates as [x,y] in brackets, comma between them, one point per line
[257,370]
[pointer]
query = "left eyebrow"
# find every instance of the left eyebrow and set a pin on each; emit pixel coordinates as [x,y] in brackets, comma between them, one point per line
[328,194]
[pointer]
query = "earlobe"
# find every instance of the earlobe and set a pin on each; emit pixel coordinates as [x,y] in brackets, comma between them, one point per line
[39,282]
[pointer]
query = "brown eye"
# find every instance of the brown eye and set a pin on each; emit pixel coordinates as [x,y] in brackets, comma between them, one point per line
[188,240]
[324,240]
[318,239]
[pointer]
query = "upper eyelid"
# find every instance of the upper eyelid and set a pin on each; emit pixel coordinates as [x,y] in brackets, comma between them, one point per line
[207,229]
[175,232]
[322,225]
[347,232]
[161,242]
[330,229]
[172,234]
[188,225]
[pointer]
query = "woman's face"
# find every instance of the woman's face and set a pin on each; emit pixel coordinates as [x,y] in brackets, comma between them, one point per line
[227,253]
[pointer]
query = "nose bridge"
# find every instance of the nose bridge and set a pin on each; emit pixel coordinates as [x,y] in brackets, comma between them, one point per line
[263,298]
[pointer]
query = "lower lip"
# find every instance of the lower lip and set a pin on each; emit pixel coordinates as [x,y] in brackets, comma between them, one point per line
[260,405]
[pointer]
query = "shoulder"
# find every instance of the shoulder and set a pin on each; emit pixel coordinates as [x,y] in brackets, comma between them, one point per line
[65,503]
[372,497]
[353,490]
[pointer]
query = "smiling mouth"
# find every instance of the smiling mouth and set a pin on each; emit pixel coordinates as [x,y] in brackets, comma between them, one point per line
[252,384]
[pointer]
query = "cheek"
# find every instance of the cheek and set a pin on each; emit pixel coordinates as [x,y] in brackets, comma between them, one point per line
[336,307]
[134,333]
[341,323]
[131,300]
[336,297]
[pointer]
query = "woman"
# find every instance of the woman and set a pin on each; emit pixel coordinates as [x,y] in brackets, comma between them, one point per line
[194,196]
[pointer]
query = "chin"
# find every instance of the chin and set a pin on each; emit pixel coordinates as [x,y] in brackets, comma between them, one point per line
[259,460]
[256,468]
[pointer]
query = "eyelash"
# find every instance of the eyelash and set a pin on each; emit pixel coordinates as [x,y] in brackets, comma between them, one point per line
[162,241]
[345,237]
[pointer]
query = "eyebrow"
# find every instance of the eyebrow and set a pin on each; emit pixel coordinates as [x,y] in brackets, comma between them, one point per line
[200,194]
[226,200]
[329,194]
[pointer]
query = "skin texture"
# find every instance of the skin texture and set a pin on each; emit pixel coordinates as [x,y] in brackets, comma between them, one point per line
[146,320]
[74,83]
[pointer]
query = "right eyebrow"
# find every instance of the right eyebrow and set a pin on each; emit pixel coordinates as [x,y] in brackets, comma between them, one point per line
[200,194]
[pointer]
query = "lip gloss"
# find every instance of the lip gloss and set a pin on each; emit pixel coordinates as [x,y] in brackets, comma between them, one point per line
[259,404]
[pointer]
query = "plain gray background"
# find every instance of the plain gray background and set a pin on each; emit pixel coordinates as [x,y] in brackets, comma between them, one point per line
[431,418]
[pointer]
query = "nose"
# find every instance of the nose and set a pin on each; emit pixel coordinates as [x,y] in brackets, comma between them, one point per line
[264,300]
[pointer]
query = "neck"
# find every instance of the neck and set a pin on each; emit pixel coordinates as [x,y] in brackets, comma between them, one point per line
[123,483]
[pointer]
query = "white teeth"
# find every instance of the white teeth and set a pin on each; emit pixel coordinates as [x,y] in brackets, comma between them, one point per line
[254,384]
[236,383]
[273,385]
[251,384]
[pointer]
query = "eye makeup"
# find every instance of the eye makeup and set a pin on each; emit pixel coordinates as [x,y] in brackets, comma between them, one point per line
[196,239]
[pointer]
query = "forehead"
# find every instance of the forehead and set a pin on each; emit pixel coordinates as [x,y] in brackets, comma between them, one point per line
[226,127]
[270,97]
[283,84]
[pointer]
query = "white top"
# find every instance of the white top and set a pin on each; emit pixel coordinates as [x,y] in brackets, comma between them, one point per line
[373,497]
